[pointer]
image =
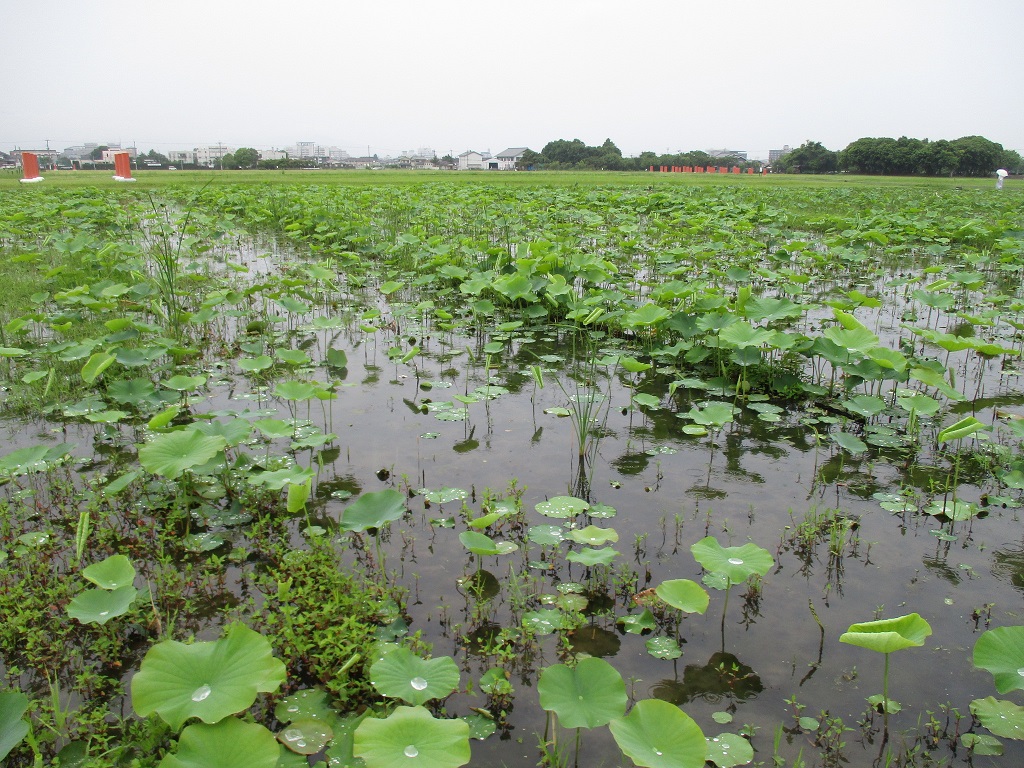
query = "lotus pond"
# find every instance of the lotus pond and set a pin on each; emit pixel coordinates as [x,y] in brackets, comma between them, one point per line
[658,474]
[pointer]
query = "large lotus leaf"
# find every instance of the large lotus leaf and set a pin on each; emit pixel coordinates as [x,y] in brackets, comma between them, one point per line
[849,443]
[594,536]
[12,728]
[114,572]
[684,594]
[306,736]
[735,563]
[133,392]
[591,557]
[888,635]
[228,744]
[483,545]
[234,431]
[727,750]
[852,340]
[98,606]
[561,507]
[656,734]
[372,510]
[1003,718]
[742,334]
[1001,652]
[181,383]
[172,453]
[402,674]
[295,390]
[208,680]
[411,736]
[587,695]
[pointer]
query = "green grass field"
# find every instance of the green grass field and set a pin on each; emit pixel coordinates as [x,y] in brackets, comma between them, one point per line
[157,179]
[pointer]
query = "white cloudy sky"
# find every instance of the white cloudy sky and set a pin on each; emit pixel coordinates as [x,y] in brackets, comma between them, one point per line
[453,75]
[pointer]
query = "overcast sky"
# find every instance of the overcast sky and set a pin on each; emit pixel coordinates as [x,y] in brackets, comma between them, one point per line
[452,75]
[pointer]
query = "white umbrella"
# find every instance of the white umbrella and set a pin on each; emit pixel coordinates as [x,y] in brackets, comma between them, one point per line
[1002,173]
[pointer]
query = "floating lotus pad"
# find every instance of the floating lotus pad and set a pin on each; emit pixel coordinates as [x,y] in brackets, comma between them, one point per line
[1001,652]
[208,680]
[727,750]
[372,510]
[1003,718]
[13,705]
[401,674]
[227,744]
[98,606]
[112,573]
[656,734]
[562,507]
[411,736]
[587,695]
[684,594]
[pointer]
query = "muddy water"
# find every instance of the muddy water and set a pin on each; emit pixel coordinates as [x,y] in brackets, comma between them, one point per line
[748,481]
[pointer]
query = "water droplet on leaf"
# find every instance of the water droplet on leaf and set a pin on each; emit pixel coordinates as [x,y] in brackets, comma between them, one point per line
[418,683]
[735,561]
[201,693]
[411,751]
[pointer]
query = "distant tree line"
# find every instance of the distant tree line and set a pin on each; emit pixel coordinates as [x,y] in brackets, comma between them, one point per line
[967,156]
[575,155]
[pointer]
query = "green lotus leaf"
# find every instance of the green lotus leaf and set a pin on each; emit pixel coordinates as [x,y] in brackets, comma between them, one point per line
[306,736]
[181,383]
[13,705]
[208,680]
[411,736]
[234,431]
[229,743]
[402,674]
[443,495]
[849,443]
[544,622]
[296,390]
[637,623]
[96,365]
[1003,718]
[133,392]
[684,594]
[372,510]
[735,563]
[664,648]
[172,453]
[98,606]
[279,478]
[592,557]
[982,744]
[729,749]
[656,734]
[594,536]
[888,635]
[293,356]
[963,428]
[253,364]
[307,704]
[561,507]
[587,695]
[1001,652]
[478,543]
[114,572]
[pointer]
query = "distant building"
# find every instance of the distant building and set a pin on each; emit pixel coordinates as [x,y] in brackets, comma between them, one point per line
[728,154]
[273,154]
[108,154]
[508,158]
[775,154]
[472,161]
[211,156]
[181,157]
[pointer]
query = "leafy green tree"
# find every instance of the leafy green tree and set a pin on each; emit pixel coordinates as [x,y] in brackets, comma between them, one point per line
[809,157]
[247,157]
[978,155]
[97,154]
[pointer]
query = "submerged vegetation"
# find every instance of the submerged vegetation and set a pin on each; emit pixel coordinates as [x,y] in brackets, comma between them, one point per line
[451,473]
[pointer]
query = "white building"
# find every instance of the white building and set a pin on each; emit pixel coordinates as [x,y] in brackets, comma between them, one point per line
[181,157]
[211,156]
[473,161]
[508,158]
[273,154]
